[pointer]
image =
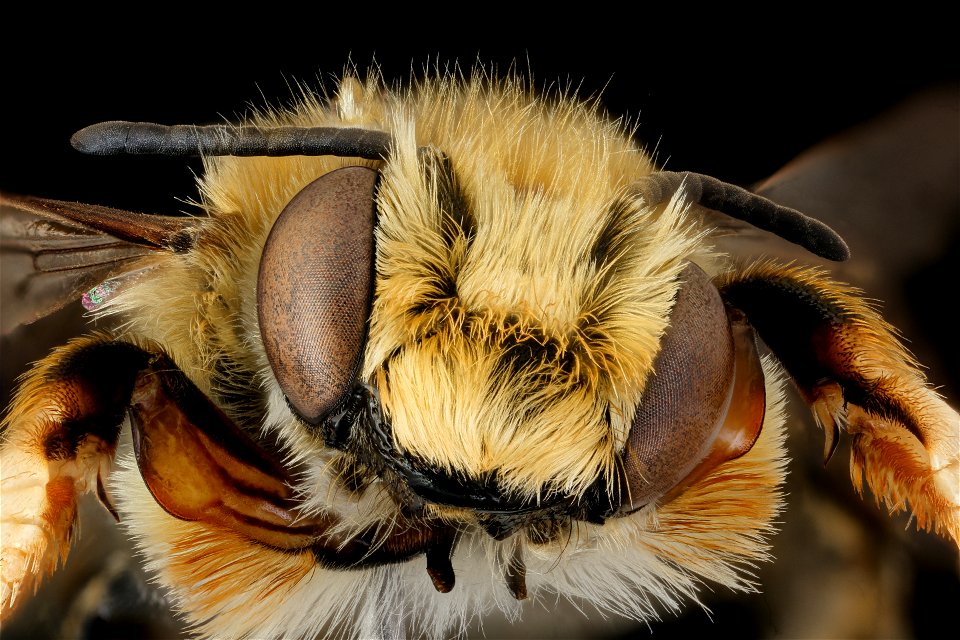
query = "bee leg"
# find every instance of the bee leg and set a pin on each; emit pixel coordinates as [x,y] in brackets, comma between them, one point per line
[853,371]
[59,438]
[515,571]
[439,566]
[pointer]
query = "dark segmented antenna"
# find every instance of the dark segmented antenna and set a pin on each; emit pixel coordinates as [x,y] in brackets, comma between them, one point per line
[736,202]
[145,138]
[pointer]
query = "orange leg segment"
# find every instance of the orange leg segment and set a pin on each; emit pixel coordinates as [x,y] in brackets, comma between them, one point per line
[853,371]
[58,438]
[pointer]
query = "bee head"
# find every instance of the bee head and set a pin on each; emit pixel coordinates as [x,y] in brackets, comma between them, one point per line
[515,389]
[509,359]
[514,367]
[504,368]
[510,363]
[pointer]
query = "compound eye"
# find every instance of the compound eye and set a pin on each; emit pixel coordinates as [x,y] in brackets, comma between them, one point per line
[705,401]
[314,290]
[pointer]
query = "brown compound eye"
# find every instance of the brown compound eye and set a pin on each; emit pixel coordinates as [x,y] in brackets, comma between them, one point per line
[703,405]
[314,290]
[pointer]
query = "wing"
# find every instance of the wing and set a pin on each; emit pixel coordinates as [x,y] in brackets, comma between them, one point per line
[52,252]
[889,187]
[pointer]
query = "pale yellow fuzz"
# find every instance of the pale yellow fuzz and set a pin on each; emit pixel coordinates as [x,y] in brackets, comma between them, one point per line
[555,164]
[539,196]
[515,324]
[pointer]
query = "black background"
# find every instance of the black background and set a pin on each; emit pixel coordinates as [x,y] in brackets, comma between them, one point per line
[733,101]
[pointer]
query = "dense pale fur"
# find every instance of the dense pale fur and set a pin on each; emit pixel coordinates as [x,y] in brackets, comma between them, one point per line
[228,586]
[548,172]
[543,175]
[544,178]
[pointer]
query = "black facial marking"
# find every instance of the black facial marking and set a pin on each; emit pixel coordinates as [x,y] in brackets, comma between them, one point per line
[237,392]
[457,217]
[601,500]
[338,426]
[608,242]
[523,353]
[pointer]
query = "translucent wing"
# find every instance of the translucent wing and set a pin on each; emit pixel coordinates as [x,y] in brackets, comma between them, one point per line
[52,252]
[888,186]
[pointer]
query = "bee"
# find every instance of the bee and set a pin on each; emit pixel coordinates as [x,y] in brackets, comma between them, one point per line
[435,351]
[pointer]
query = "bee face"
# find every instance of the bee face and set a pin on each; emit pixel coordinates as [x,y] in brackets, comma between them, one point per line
[539,328]
[507,361]
[507,357]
